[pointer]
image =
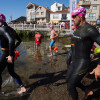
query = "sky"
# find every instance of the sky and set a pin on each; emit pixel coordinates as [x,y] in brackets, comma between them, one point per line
[14,9]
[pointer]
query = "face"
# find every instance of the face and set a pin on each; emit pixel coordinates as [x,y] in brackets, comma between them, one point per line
[76,19]
[51,28]
[0,24]
[73,27]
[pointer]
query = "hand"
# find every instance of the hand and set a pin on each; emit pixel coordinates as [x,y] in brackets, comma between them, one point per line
[9,59]
[96,71]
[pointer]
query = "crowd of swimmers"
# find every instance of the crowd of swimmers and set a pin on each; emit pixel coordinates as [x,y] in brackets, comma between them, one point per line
[78,61]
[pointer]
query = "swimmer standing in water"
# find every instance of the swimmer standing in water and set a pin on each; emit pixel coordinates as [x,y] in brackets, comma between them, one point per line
[53,36]
[38,38]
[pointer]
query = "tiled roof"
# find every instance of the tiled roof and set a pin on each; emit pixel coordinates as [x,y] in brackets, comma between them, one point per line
[46,8]
[31,4]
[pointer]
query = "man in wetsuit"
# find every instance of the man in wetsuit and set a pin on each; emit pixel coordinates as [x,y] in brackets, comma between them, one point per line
[7,38]
[83,39]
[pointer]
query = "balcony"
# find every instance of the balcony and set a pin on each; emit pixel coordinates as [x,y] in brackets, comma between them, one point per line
[88,10]
[84,3]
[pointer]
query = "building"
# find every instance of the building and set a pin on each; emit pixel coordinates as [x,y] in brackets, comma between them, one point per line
[30,12]
[60,13]
[42,15]
[57,7]
[60,16]
[92,8]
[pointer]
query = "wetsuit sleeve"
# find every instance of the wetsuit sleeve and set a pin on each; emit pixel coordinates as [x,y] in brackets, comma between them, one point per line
[95,36]
[10,40]
[18,41]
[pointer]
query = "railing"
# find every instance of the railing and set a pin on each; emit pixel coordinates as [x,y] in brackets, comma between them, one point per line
[33,27]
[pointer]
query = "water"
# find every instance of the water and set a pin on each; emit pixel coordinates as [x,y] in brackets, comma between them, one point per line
[31,61]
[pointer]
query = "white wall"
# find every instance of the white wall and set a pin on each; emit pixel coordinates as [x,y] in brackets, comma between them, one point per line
[55,14]
[55,6]
[59,16]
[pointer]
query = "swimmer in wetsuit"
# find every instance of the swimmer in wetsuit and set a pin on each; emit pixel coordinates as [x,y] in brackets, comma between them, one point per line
[83,39]
[7,38]
[69,57]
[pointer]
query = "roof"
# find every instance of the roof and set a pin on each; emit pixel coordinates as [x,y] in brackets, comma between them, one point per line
[45,8]
[31,4]
[20,19]
[57,2]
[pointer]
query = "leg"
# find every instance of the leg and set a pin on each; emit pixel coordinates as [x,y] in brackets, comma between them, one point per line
[70,69]
[3,63]
[74,82]
[16,77]
[50,46]
[80,68]
[51,50]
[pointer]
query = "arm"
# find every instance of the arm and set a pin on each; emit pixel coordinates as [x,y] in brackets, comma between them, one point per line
[18,40]
[56,34]
[95,36]
[11,43]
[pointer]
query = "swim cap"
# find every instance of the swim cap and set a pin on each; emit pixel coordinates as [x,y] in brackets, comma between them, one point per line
[73,24]
[2,18]
[51,26]
[80,11]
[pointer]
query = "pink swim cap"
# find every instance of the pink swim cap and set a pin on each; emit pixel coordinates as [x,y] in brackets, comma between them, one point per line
[73,24]
[51,26]
[2,18]
[80,11]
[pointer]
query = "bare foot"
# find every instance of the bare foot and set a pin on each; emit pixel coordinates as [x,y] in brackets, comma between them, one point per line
[22,90]
[87,93]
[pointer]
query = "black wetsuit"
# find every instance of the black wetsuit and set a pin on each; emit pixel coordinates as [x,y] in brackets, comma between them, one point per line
[70,56]
[7,38]
[83,38]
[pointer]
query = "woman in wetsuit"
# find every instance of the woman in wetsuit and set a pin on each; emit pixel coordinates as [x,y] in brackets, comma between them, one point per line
[7,38]
[83,39]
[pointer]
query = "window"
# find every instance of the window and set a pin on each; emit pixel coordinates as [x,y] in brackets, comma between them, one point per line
[56,4]
[42,13]
[30,7]
[92,16]
[55,16]
[95,0]
[40,8]
[94,7]
[59,8]
[37,13]
[64,16]
[32,13]
[32,17]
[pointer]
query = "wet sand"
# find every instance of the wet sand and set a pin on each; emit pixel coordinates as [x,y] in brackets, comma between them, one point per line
[43,76]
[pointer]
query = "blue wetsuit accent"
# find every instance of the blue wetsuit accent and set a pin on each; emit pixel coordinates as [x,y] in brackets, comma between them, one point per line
[52,43]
